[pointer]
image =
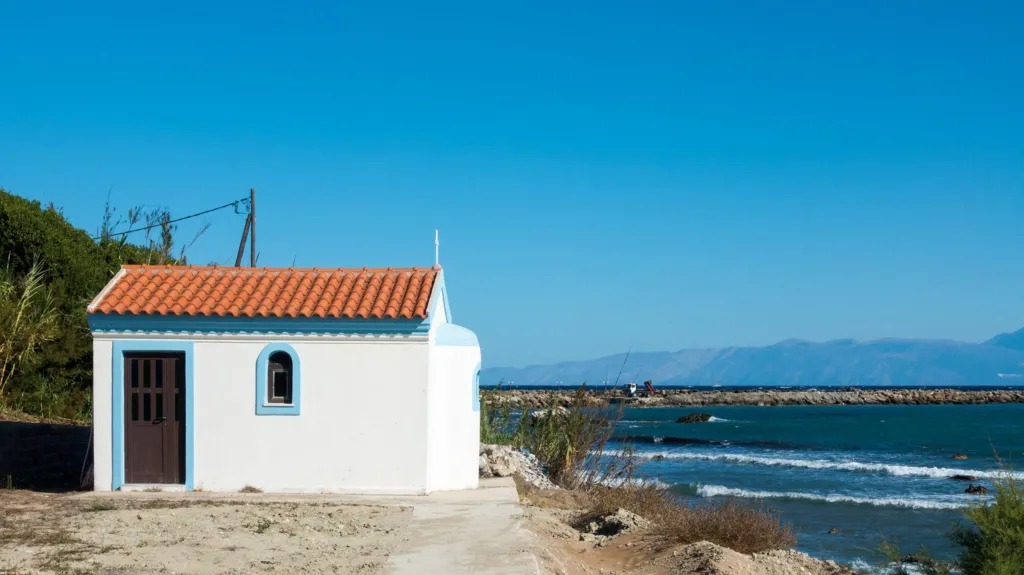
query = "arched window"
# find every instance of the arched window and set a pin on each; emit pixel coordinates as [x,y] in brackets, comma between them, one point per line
[279,378]
[278,381]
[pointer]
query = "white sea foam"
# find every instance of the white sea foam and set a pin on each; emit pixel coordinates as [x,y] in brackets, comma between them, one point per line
[912,503]
[862,566]
[897,470]
[635,482]
[718,420]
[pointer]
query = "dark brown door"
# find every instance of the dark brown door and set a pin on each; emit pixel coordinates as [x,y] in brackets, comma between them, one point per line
[154,418]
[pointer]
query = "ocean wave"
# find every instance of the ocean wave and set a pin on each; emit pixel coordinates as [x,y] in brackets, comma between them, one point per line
[760,444]
[718,420]
[856,466]
[862,566]
[635,482]
[911,503]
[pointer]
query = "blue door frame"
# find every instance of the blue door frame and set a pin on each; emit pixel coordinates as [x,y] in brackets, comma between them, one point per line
[121,347]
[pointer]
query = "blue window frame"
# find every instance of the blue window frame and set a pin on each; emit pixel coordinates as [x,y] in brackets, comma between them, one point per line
[278,380]
[476,389]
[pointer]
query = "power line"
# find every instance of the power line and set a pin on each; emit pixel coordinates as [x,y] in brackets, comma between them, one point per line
[133,230]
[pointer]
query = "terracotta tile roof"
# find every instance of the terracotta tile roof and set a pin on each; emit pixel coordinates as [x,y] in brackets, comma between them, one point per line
[392,293]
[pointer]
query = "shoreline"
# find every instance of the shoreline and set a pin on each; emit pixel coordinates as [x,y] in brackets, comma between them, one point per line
[520,398]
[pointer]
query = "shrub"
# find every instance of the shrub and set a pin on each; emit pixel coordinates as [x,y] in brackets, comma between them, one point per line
[570,443]
[499,423]
[896,563]
[994,544]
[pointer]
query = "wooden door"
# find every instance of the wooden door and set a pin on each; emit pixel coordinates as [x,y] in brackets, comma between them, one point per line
[154,418]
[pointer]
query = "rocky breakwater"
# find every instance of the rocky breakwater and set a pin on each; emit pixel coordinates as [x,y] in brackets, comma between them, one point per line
[533,399]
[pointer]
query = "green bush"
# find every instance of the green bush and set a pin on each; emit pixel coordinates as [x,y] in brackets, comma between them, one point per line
[499,423]
[994,544]
[898,563]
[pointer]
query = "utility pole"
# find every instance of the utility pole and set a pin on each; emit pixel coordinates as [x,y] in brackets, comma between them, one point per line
[241,244]
[252,227]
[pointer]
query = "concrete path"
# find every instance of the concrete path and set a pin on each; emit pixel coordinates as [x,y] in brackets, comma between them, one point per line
[466,532]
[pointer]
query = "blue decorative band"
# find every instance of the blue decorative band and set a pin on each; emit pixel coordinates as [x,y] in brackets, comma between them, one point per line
[275,325]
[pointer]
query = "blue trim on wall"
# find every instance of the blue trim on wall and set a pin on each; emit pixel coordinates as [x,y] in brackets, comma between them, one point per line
[476,388]
[122,346]
[216,324]
[263,408]
[450,334]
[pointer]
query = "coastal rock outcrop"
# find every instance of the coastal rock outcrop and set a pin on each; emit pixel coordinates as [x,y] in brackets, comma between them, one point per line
[622,521]
[695,418]
[506,461]
[960,457]
[959,477]
[973,489]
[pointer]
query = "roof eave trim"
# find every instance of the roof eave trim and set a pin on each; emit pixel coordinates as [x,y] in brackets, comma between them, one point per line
[106,289]
[439,292]
[115,323]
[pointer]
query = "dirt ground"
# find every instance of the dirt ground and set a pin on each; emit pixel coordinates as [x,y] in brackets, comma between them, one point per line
[62,534]
[560,551]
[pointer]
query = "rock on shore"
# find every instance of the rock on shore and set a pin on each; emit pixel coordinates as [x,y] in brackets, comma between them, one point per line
[506,461]
[534,399]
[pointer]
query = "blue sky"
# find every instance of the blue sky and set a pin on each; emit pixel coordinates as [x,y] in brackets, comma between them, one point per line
[604,174]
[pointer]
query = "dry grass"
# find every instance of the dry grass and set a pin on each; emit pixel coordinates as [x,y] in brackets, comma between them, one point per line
[250,489]
[8,413]
[743,528]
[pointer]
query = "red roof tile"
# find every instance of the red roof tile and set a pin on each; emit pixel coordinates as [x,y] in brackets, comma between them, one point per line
[390,293]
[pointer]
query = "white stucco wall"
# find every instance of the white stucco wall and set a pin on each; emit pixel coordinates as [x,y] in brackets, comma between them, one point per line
[454,426]
[362,426]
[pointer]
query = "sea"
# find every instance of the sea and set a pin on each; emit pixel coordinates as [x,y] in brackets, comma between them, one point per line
[872,472]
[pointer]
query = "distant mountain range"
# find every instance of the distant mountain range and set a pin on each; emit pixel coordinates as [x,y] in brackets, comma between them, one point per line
[885,362]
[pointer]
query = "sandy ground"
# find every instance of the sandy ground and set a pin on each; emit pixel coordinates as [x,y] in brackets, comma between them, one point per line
[60,534]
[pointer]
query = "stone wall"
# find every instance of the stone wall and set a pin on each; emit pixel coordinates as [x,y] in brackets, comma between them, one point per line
[44,456]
